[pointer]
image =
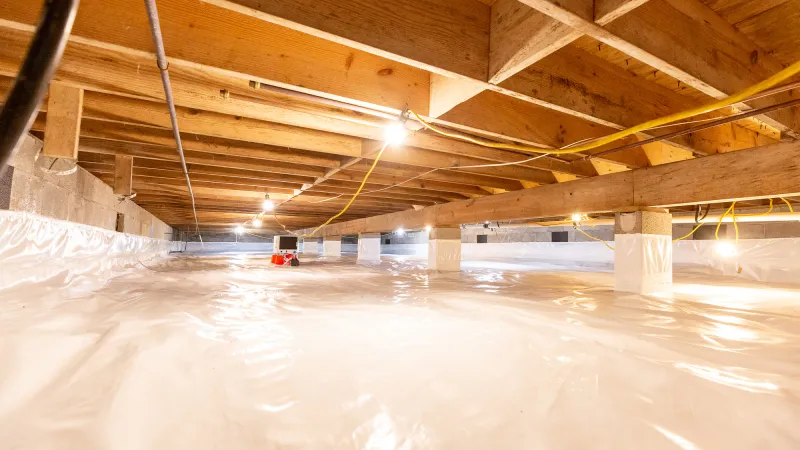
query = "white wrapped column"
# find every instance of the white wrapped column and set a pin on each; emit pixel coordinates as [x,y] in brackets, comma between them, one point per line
[311,246]
[643,255]
[444,249]
[332,246]
[369,248]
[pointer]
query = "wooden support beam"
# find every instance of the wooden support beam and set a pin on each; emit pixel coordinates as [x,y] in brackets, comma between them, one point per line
[697,47]
[438,35]
[123,174]
[93,145]
[105,58]
[448,92]
[590,85]
[521,36]
[287,57]
[517,115]
[605,11]
[763,172]
[194,94]
[62,131]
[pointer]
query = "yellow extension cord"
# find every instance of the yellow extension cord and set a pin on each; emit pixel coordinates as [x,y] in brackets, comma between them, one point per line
[733,99]
[731,210]
[593,238]
[779,77]
[346,207]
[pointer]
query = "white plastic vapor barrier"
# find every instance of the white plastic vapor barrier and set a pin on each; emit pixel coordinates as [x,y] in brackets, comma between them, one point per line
[570,252]
[311,247]
[369,249]
[770,260]
[227,351]
[643,263]
[36,250]
[332,247]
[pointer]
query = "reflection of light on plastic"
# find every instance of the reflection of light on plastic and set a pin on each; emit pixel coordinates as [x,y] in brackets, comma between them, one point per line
[428,228]
[400,231]
[676,439]
[394,133]
[728,378]
[269,205]
[725,249]
[239,229]
[737,296]
[256,223]
[734,333]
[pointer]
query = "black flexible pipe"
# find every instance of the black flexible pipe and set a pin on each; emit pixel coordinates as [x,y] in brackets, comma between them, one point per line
[44,54]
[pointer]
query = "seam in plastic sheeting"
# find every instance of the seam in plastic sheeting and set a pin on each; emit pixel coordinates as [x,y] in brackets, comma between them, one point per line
[36,249]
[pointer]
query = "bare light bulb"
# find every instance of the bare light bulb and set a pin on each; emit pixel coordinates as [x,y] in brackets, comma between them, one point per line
[269,205]
[256,223]
[400,231]
[394,133]
[726,249]
[239,229]
[577,217]
[428,228]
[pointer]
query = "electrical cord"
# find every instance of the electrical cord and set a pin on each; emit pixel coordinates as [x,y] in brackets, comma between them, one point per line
[698,220]
[35,73]
[575,225]
[346,207]
[738,97]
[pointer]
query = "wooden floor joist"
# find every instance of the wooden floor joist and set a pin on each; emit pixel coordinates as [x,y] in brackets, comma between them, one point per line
[290,98]
[769,171]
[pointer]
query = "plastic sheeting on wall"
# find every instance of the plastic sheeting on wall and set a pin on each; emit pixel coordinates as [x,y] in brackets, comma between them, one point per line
[311,247]
[332,247]
[35,249]
[770,260]
[643,263]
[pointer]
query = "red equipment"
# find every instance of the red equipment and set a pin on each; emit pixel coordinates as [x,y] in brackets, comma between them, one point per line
[285,248]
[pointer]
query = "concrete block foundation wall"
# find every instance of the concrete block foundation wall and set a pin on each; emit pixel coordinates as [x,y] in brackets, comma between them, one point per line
[79,197]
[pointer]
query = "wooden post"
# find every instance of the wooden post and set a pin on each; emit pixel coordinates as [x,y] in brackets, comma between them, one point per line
[62,130]
[123,174]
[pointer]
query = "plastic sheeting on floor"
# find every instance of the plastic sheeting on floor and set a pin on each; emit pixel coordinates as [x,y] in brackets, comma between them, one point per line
[228,351]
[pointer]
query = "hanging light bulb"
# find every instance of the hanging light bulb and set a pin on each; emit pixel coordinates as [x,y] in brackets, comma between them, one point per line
[239,229]
[394,133]
[428,228]
[400,231]
[269,205]
[256,223]
[577,217]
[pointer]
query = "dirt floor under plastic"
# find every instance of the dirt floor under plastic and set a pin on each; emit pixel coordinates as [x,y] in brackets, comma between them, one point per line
[228,351]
